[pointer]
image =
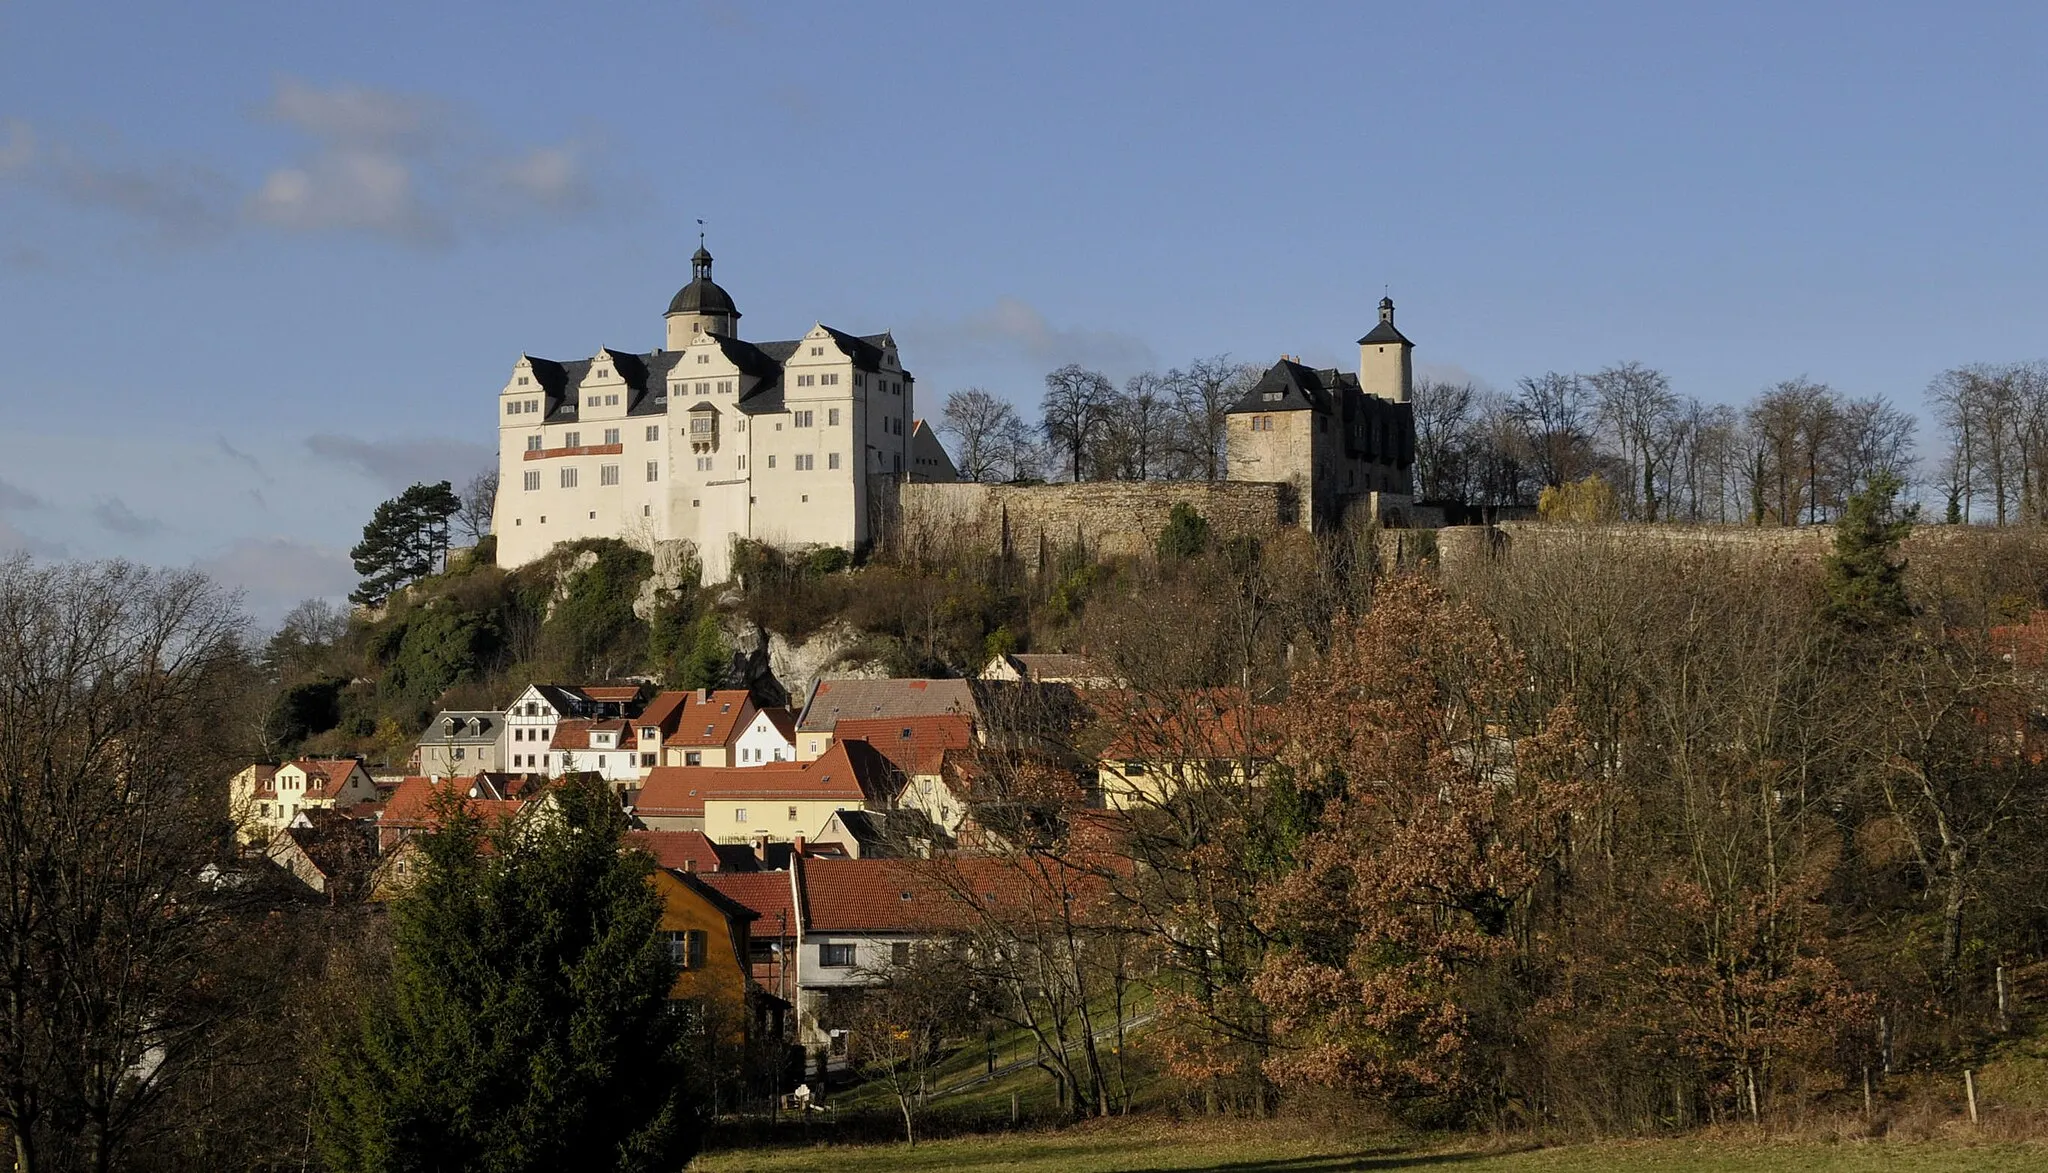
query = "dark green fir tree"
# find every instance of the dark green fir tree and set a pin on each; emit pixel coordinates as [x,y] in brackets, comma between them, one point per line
[1864,578]
[527,1026]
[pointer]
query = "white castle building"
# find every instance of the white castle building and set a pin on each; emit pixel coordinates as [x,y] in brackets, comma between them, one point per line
[709,439]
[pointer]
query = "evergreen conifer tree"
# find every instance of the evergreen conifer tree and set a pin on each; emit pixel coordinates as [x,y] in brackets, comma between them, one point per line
[527,1026]
[1864,579]
[708,661]
[406,540]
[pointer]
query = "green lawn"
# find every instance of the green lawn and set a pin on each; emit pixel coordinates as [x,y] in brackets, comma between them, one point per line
[1140,1148]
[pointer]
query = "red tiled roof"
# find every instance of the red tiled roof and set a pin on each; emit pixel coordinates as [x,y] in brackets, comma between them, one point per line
[412,804]
[682,851]
[1201,727]
[574,733]
[265,778]
[325,777]
[767,893]
[914,745]
[673,792]
[685,720]
[612,694]
[869,895]
[849,771]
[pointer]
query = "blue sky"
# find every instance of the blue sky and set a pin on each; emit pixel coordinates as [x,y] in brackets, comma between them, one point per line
[262,265]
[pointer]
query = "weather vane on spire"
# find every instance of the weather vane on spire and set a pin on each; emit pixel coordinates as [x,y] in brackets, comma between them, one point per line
[700,234]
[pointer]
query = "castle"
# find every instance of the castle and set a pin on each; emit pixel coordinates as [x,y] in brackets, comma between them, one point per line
[815,441]
[709,439]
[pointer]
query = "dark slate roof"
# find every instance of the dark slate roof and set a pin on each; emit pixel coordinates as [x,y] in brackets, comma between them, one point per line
[651,397]
[702,296]
[867,353]
[1290,386]
[1382,334]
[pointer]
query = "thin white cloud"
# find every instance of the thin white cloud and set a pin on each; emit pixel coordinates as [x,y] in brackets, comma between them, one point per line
[179,200]
[407,167]
[17,146]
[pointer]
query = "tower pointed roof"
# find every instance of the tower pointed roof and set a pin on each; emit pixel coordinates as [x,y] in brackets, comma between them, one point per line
[1385,333]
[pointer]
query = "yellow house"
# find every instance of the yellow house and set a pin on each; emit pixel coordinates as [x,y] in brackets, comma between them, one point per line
[1156,752]
[707,933]
[782,801]
[263,799]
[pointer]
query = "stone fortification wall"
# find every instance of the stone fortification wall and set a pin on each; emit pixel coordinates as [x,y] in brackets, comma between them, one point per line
[1462,547]
[1036,522]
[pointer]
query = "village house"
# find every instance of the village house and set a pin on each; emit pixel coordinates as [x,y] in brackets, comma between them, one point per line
[602,747]
[783,801]
[328,851]
[835,700]
[263,799]
[707,933]
[771,941]
[693,851]
[1048,668]
[460,743]
[769,737]
[693,728]
[856,918]
[918,747]
[532,717]
[1157,750]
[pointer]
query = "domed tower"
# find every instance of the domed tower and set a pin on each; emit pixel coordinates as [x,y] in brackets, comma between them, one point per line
[700,307]
[1386,363]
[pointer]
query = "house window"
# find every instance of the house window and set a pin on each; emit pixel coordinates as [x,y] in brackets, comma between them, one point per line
[568,478]
[649,732]
[832,460]
[646,761]
[572,439]
[899,953]
[832,418]
[792,810]
[693,758]
[533,443]
[608,474]
[654,470]
[654,431]
[686,948]
[739,814]
[611,435]
[1134,770]
[835,957]
[532,481]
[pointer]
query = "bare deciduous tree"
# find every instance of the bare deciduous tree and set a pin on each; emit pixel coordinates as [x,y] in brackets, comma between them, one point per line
[1077,401]
[982,427]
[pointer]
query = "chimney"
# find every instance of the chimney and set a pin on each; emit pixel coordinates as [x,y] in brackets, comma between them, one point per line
[796,845]
[703,694]
[761,847]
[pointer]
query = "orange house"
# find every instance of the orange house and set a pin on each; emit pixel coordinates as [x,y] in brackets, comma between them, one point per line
[707,934]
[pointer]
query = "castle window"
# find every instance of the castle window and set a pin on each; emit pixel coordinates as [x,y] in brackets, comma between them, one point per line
[572,439]
[522,380]
[771,461]
[611,435]
[703,388]
[829,380]
[803,419]
[568,478]
[533,405]
[512,407]
[832,418]
[739,425]
[832,460]
[654,431]
[679,388]
[608,474]
[532,481]
[647,511]
[817,351]
[704,464]
[533,443]
[741,463]
[611,401]
[703,358]
[803,462]
[654,470]
[806,380]
[725,386]
[859,380]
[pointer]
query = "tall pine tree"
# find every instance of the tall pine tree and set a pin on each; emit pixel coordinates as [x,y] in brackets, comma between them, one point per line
[527,1026]
[406,540]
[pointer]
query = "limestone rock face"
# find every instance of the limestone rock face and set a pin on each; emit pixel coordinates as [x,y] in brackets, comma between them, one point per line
[675,567]
[800,665]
